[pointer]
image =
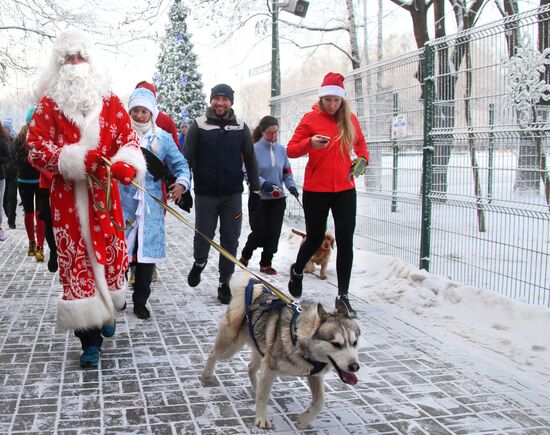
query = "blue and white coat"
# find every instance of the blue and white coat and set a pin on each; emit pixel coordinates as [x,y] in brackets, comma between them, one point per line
[146,215]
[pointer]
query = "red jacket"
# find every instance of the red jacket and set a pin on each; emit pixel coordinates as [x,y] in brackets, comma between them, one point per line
[327,169]
[167,124]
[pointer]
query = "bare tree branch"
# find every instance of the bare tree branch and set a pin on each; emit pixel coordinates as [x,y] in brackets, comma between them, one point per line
[407,5]
[318,45]
[27,29]
[314,28]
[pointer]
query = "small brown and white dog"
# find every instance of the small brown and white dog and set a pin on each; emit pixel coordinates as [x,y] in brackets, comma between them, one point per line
[321,257]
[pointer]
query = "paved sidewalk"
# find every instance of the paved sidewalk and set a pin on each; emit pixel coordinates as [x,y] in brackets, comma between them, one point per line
[411,382]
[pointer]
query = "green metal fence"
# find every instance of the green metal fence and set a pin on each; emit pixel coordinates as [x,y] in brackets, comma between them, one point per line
[458,180]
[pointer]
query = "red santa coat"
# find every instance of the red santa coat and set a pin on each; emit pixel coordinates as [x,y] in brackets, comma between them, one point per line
[91,252]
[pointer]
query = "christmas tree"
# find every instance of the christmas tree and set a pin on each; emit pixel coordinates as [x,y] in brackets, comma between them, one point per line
[178,83]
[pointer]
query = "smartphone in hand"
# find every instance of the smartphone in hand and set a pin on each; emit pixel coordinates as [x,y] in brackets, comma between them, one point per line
[319,141]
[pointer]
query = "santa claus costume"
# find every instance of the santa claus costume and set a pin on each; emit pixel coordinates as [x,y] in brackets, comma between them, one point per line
[76,123]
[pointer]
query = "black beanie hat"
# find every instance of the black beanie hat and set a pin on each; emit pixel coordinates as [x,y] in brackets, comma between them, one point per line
[222,90]
[267,121]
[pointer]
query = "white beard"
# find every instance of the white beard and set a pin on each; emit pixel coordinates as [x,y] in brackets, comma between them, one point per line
[77,89]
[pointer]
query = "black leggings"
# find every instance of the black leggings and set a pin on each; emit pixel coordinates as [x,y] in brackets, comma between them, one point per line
[344,208]
[29,196]
[266,223]
[46,216]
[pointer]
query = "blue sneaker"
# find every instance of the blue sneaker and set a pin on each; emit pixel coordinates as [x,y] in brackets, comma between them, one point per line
[108,330]
[90,357]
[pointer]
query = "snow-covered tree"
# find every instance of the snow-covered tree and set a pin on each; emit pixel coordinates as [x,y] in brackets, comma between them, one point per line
[178,82]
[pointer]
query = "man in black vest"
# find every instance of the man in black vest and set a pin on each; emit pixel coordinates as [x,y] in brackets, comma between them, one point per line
[216,146]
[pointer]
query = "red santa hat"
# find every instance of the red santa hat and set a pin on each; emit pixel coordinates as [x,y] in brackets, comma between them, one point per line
[333,84]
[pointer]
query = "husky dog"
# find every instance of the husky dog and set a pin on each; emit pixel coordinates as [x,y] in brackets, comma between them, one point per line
[322,256]
[286,340]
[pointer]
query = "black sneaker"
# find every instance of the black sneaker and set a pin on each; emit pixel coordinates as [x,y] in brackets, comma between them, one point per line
[224,293]
[141,311]
[343,299]
[295,283]
[194,277]
[52,261]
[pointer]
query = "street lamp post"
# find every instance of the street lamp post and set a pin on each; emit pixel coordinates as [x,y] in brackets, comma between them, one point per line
[275,59]
[296,7]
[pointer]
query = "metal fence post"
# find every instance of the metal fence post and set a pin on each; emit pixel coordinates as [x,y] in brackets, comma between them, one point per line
[490,163]
[427,156]
[395,158]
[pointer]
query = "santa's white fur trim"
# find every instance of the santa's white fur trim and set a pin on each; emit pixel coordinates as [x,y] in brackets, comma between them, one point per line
[134,157]
[102,290]
[82,313]
[71,161]
[118,297]
[71,158]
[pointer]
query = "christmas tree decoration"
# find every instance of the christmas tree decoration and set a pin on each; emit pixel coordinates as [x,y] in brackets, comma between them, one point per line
[179,84]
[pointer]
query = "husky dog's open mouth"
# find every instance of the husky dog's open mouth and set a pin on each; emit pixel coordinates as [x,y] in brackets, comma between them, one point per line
[346,377]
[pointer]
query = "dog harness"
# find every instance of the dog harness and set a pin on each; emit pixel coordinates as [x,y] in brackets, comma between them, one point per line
[268,305]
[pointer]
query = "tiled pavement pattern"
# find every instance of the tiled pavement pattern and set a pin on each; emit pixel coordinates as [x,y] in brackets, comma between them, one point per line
[411,382]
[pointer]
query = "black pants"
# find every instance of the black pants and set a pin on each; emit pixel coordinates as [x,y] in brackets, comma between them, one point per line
[344,208]
[45,213]
[143,274]
[10,200]
[266,221]
[89,337]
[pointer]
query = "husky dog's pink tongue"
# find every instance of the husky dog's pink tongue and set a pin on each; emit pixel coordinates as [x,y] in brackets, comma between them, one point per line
[346,377]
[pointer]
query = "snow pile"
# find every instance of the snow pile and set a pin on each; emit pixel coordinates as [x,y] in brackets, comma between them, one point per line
[515,330]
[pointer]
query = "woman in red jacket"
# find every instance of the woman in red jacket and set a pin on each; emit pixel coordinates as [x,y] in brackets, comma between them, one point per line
[328,135]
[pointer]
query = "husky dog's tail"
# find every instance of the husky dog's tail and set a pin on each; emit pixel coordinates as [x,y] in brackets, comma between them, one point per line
[236,311]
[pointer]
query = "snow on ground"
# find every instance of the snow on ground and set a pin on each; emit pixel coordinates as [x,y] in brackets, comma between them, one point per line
[517,331]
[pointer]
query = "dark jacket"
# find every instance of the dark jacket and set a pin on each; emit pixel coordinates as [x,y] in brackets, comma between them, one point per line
[11,166]
[4,157]
[216,149]
[25,171]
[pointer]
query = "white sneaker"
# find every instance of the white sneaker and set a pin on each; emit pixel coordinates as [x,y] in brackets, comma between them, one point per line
[2,235]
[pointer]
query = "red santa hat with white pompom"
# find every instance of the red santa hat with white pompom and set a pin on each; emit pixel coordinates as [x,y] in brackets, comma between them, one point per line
[333,84]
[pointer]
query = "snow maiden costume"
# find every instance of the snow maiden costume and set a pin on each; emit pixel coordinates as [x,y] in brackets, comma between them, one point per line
[146,237]
[77,121]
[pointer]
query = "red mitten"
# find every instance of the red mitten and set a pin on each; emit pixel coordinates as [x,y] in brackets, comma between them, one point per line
[123,172]
[93,161]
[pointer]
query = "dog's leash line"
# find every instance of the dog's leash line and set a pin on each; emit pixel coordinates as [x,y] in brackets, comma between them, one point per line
[216,246]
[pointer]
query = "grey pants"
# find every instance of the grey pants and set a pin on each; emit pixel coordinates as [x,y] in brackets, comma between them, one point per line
[207,210]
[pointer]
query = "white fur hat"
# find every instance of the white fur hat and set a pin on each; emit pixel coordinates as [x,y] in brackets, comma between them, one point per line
[72,42]
[142,97]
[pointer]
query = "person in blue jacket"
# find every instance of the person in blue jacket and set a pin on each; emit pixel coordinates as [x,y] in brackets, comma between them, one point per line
[266,211]
[146,236]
